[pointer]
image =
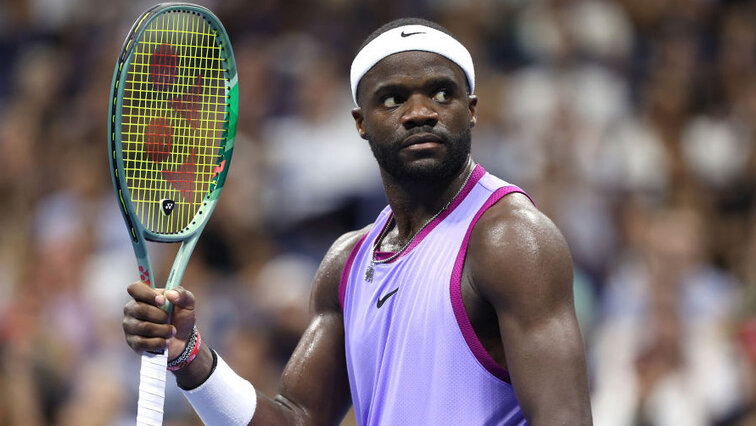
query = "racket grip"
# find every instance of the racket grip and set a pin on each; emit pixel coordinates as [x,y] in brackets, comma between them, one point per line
[151,389]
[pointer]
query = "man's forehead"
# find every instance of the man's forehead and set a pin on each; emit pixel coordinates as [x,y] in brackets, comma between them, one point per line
[415,65]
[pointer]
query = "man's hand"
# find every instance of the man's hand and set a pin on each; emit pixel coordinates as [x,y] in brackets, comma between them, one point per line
[146,326]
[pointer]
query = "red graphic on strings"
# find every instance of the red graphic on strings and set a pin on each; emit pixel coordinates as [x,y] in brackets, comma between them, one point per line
[183,178]
[157,140]
[187,105]
[163,66]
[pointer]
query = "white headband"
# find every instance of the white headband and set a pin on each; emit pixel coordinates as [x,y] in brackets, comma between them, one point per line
[410,37]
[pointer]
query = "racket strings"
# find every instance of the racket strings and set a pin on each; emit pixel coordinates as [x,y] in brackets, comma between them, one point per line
[175,111]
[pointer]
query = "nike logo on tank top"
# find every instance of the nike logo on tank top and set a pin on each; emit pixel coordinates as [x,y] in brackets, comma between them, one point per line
[411,352]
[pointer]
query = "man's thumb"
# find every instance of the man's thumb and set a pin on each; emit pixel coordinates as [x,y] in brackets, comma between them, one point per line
[180,297]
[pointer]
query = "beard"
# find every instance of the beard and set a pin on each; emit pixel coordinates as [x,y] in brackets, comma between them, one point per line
[457,152]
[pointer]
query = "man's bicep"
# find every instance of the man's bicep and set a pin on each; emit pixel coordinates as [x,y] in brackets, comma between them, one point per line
[546,363]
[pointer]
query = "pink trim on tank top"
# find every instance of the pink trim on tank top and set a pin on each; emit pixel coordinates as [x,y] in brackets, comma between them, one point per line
[480,353]
[380,255]
[347,269]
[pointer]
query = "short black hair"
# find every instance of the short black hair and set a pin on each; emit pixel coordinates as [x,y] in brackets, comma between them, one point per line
[400,23]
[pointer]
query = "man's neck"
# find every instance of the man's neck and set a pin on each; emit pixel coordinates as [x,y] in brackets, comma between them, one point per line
[414,204]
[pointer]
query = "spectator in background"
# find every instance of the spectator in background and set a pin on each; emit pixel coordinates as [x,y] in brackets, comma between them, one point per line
[663,354]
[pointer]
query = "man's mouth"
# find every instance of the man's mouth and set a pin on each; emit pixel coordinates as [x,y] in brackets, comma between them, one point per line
[422,141]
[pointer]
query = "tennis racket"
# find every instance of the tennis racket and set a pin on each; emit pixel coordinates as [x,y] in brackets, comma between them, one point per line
[172,117]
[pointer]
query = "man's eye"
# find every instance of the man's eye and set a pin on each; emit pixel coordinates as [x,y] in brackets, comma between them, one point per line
[441,96]
[391,101]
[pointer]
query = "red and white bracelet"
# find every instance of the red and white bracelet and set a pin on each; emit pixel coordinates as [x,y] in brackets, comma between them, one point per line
[190,352]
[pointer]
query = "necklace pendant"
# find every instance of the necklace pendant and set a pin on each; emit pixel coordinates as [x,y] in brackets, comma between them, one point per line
[369,273]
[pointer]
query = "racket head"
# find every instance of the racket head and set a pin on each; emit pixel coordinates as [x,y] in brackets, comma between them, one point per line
[172,121]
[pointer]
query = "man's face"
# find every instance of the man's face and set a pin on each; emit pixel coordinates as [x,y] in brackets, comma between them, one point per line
[416,115]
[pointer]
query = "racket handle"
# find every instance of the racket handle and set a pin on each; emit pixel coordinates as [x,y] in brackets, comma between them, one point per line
[151,389]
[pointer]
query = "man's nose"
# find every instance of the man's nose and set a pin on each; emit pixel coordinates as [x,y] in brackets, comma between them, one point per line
[419,112]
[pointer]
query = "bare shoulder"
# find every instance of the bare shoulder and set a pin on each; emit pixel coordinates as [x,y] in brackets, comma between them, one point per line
[515,252]
[515,227]
[325,288]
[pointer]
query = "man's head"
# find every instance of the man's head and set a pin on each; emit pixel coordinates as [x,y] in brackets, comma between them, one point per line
[409,34]
[413,82]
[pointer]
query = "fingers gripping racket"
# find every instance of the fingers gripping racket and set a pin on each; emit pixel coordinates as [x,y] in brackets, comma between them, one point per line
[173,109]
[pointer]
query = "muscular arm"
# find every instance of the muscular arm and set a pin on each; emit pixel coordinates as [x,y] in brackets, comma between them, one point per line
[314,388]
[519,262]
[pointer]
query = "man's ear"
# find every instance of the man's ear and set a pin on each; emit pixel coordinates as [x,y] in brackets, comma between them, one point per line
[472,105]
[359,121]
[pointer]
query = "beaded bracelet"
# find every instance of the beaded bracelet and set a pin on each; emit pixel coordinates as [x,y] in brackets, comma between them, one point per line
[190,352]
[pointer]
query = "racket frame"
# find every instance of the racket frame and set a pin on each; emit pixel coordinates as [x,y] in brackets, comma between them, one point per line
[189,235]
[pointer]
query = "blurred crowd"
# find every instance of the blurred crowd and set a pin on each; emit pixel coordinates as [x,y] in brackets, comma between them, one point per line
[630,123]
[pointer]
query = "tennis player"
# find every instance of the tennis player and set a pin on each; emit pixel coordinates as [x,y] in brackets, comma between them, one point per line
[454,307]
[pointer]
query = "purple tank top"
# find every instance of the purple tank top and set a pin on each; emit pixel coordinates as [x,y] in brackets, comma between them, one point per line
[411,352]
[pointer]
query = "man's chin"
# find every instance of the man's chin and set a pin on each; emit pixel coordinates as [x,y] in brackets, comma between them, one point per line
[435,164]
[423,170]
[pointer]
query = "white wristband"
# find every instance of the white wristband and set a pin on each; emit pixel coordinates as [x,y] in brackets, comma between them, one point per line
[224,399]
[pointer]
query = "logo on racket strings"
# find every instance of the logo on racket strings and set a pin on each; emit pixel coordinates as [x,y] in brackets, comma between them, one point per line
[166,206]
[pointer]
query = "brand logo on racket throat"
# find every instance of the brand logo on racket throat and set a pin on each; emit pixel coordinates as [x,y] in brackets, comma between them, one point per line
[383,299]
[403,34]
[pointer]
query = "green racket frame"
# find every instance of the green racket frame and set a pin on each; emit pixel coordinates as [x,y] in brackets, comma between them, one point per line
[190,234]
